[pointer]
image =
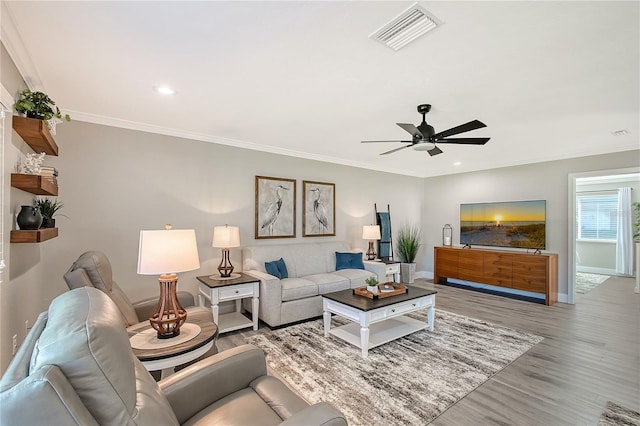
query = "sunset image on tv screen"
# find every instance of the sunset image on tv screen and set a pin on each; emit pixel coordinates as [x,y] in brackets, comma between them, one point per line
[519,224]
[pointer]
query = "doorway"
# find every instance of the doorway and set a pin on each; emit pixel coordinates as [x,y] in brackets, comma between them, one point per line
[593,253]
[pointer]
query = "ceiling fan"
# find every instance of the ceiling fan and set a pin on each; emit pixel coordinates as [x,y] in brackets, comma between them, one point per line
[424,137]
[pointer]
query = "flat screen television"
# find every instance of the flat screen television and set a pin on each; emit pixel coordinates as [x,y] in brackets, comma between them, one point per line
[516,224]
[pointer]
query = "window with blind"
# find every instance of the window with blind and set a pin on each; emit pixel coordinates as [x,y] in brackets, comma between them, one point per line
[597,217]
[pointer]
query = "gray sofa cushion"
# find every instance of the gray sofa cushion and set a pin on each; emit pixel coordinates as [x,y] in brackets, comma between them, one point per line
[88,344]
[298,288]
[356,277]
[328,283]
[98,274]
[43,398]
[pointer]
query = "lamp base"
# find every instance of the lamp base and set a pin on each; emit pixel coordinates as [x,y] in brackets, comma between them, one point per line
[171,335]
[371,253]
[225,268]
[169,314]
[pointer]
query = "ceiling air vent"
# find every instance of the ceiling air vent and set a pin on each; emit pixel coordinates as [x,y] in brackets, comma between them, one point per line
[406,27]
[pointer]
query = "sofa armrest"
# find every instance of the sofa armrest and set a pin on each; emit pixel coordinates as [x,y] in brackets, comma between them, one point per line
[192,389]
[378,268]
[321,413]
[270,297]
[144,308]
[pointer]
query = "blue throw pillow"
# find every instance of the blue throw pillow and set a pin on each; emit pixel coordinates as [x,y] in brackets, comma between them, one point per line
[282,268]
[277,268]
[272,269]
[349,261]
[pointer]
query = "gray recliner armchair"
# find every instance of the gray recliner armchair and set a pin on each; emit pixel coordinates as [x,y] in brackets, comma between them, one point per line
[76,368]
[93,269]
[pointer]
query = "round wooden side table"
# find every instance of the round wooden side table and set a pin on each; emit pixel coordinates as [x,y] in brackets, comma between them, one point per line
[167,358]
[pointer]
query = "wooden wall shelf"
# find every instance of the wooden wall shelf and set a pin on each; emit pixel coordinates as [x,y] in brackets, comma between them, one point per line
[36,134]
[35,236]
[34,184]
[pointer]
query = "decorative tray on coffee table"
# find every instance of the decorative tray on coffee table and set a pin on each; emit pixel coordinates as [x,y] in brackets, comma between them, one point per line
[397,289]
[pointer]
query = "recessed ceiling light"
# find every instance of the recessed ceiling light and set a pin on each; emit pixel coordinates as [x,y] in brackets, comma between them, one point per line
[165,90]
[457,163]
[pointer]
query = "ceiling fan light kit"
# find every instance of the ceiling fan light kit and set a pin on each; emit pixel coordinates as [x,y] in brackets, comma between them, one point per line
[424,137]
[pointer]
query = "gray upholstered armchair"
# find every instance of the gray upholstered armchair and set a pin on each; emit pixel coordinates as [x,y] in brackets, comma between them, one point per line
[76,367]
[93,269]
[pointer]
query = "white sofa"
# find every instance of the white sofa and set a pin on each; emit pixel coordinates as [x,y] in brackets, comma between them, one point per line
[312,272]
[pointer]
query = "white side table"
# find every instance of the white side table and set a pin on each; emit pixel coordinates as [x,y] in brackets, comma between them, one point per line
[393,268]
[221,290]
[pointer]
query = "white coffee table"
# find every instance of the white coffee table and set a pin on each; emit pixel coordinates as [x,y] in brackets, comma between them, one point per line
[376,322]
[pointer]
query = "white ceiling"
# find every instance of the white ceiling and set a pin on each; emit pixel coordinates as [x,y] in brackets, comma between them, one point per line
[551,79]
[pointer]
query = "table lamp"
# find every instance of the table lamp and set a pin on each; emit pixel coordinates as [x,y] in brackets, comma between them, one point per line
[371,233]
[225,237]
[167,252]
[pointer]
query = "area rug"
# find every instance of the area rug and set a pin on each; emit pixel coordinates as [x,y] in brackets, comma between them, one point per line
[586,282]
[616,415]
[411,380]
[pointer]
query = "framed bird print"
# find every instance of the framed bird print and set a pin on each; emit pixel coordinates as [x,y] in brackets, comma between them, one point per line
[275,207]
[319,203]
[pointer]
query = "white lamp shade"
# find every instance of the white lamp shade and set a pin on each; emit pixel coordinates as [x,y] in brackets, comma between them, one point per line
[167,251]
[371,232]
[226,236]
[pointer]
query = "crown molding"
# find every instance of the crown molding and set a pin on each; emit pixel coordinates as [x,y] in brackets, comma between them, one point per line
[185,134]
[12,41]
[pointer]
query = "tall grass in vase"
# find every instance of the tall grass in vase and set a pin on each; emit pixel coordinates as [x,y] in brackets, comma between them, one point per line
[407,246]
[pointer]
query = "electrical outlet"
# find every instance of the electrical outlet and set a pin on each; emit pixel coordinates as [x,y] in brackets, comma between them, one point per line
[14,344]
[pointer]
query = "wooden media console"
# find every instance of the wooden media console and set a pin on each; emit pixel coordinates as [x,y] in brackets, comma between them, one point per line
[536,273]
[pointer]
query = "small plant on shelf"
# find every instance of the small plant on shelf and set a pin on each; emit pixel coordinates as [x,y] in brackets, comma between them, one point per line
[49,209]
[38,105]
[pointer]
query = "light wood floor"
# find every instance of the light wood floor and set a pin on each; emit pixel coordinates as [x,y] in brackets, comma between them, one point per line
[590,355]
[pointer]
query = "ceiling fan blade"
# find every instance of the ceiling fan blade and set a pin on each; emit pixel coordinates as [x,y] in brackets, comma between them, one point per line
[435,151]
[413,130]
[467,127]
[397,149]
[386,141]
[466,141]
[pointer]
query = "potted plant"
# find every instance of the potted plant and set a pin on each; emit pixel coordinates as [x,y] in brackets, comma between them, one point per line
[407,245]
[372,284]
[38,105]
[48,209]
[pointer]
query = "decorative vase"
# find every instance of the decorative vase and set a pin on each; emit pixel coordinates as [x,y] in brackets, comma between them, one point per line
[29,218]
[407,272]
[48,222]
[33,114]
[373,289]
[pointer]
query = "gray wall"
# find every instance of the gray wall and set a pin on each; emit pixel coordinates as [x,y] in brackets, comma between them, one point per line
[116,182]
[542,181]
